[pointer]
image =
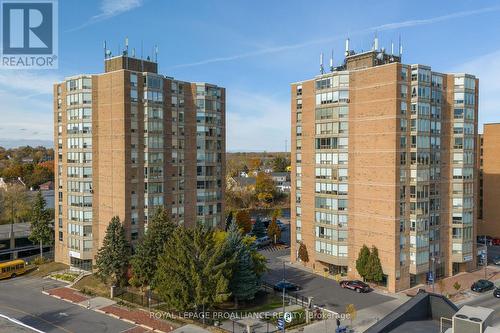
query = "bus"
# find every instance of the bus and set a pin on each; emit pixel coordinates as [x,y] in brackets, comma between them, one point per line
[12,268]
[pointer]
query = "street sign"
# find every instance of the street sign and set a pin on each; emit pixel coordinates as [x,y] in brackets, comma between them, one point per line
[281,323]
[288,317]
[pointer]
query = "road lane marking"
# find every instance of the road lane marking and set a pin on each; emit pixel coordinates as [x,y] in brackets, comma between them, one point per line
[36,317]
[17,322]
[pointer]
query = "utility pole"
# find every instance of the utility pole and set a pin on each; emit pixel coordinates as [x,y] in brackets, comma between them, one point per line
[283,316]
[485,258]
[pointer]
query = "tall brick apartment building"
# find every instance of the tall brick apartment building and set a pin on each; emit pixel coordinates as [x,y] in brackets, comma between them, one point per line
[128,141]
[383,154]
[489,188]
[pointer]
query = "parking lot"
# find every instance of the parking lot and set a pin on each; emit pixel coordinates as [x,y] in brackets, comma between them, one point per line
[325,292]
[21,298]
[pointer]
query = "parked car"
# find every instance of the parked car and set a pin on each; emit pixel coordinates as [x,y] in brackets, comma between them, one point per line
[495,241]
[287,285]
[496,293]
[356,285]
[263,241]
[481,240]
[496,260]
[481,286]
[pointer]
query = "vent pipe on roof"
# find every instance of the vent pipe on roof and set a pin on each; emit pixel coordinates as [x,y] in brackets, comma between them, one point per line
[347,47]
[375,43]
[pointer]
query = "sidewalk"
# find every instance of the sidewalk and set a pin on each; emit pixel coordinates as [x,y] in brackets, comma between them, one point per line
[143,319]
[465,280]
[257,325]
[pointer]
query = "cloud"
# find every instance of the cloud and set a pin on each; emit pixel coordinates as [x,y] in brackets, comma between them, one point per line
[27,104]
[262,122]
[27,84]
[437,19]
[109,9]
[383,27]
[487,69]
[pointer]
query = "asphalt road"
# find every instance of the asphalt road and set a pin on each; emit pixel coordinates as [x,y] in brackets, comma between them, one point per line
[325,292]
[487,300]
[21,298]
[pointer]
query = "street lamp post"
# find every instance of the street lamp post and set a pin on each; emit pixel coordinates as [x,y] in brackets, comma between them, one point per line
[485,258]
[433,259]
[283,316]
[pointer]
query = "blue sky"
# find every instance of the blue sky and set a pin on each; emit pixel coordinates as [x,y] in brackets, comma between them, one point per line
[255,49]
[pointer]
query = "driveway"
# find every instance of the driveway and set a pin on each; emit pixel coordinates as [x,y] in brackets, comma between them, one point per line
[325,292]
[21,298]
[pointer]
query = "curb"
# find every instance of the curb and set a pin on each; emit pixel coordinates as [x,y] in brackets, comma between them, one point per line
[107,313]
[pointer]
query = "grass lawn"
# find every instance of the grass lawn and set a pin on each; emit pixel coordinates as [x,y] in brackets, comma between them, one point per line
[91,285]
[45,269]
[263,302]
[70,277]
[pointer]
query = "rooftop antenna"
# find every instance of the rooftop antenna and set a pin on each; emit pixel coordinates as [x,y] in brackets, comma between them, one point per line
[126,51]
[331,62]
[392,47]
[400,47]
[142,53]
[156,53]
[321,69]
[347,47]
[133,52]
[105,50]
[375,43]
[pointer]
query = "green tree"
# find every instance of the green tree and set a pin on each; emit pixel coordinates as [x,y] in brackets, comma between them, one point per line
[374,267]
[303,255]
[362,261]
[259,229]
[280,163]
[244,282]
[243,221]
[41,231]
[113,257]
[192,274]
[229,220]
[15,204]
[274,231]
[144,261]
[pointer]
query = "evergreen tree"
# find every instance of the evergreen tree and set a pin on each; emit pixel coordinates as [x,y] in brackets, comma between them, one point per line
[229,220]
[362,261]
[144,261]
[274,231]
[375,272]
[243,221]
[259,229]
[112,258]
[192,274]
[303,255]
[244,282]
[41,232]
